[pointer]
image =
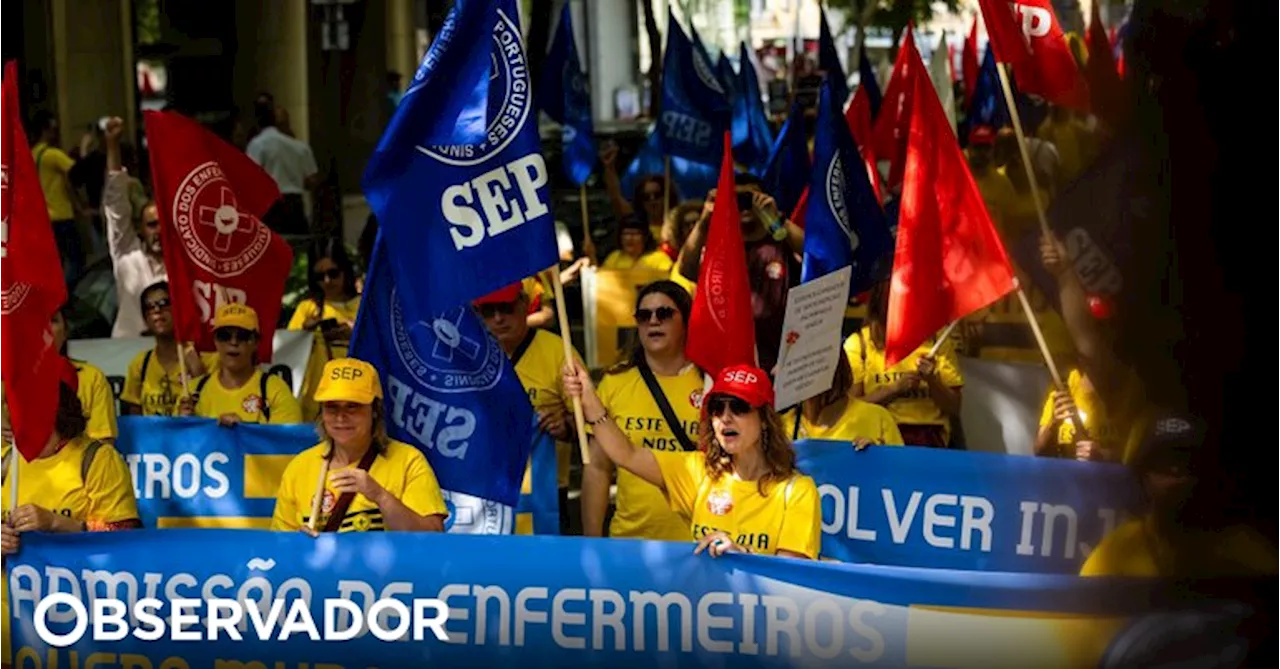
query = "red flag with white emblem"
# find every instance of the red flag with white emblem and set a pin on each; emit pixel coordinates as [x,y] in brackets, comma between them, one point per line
[211,199]
[33,286]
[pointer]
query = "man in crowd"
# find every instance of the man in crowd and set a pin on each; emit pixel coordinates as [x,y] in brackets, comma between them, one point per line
[290,162]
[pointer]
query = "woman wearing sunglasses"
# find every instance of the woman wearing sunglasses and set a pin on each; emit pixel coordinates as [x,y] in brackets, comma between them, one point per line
[237,391]
[329,310]
[153,382]
[654,382]
[740,492]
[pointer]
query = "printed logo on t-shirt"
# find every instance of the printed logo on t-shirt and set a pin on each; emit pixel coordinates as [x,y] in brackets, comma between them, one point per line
[327,502]
[774,270]
[720,502]
[251,404]
[695,399]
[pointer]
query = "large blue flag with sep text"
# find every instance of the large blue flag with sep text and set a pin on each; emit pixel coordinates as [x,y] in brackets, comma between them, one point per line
[567,100]
[450,390]
[844,224]
[695,105]
[469,209]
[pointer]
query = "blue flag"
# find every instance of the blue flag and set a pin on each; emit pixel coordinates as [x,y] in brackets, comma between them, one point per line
[752,136]
[988,106]
[829,60]
[786,172]
[692,179]
[567,101]
[844,224]
[450,390]
[867,78]
[469,217]
[695,105]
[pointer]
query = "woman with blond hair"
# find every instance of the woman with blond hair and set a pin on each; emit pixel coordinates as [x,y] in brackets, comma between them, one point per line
[740,491]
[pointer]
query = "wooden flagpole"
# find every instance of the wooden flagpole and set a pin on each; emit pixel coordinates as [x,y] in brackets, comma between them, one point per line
[562,314]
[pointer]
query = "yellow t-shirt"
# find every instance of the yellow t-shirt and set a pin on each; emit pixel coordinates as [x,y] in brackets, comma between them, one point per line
[1066,138]
[539,368]
[859,420]
[54,164]
[679,279]
[1130,550]
[915,408]
[1107,427]
[158,391]
[654,260]
[321,352]
[997,191]
[787,517]
[55,483]
[246,401]
[401,469]
[642,511]
[96,401]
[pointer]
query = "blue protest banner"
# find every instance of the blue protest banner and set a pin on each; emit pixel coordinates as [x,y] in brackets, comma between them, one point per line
[191,472]
[524,601]
[924,507]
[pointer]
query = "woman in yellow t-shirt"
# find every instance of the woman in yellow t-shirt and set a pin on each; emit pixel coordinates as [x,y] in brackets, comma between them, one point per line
[1180,536]
[370,482]
[740,492]
[679,224]
[662,314]
[922,392]
[237,391]
[96,398]
[329,311]
[637,248]
[839,416]
[1105,425]
[76,484]
[153,384]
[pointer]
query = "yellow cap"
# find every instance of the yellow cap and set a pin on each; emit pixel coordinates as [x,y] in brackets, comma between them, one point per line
[349,380]
[236,316]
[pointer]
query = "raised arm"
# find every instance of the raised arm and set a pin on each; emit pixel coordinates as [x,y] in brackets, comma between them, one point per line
[690,259]
[612,440]
[122,238]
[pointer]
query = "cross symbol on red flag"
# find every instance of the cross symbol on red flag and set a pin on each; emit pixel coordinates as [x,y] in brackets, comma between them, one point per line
[226,219]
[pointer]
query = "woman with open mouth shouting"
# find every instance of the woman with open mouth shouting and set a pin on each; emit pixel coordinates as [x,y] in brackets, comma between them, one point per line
[740,491]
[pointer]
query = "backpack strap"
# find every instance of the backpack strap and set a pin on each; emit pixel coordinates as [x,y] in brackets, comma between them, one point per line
[86,462]
[344,501]
[262,388]
[664,406]
[146,363]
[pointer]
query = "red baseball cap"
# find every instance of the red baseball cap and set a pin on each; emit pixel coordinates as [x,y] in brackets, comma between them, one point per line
[983,135]
[745,382]
[504,295]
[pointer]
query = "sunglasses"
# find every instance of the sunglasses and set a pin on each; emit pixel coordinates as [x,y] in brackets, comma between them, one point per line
[330,274]
[491,310]
[156,305]
[716,406]
[152,225]
[230,334]
[663,313]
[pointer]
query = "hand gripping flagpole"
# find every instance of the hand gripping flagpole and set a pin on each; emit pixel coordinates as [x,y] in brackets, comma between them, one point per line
[579,423]
[1002,69]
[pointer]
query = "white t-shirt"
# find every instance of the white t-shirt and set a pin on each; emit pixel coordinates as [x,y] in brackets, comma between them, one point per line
[134,269]
[289,161]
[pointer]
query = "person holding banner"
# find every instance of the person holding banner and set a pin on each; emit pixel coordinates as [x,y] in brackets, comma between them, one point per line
[922,391]
[637,248]
[357,479]
[654,395]
[76,484]
[154,380]
[329,310]
[537,356]
[238,391]
[740,492]
[839,416]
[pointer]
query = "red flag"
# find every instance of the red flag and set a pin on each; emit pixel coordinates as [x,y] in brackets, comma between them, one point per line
[1028,36]
[211,199]
[969,63]
[858,116]
[1106,90]
[722,328]
[949,261]
[33,288]
[890,131]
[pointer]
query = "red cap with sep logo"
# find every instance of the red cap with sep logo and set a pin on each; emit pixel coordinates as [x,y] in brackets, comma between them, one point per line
[745,382]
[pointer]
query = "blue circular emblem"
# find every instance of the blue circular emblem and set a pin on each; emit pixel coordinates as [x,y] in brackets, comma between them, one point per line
[509,99]
[441,356]
[835,198]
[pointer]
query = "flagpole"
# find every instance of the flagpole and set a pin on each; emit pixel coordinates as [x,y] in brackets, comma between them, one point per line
[13,476]
[586,219]
[946,334]
[562,315]
[666,188]
[319,496]
[1002,70]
